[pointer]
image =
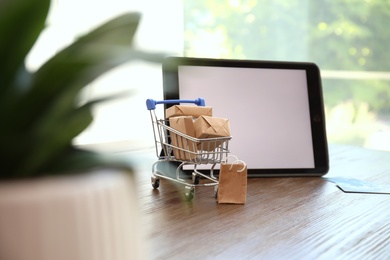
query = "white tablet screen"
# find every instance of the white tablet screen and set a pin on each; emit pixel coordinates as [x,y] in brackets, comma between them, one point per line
[268,111]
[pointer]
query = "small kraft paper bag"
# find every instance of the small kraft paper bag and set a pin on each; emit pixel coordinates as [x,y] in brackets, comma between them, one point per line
[232,183]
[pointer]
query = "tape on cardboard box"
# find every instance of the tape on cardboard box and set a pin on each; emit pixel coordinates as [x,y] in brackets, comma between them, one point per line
[194,111]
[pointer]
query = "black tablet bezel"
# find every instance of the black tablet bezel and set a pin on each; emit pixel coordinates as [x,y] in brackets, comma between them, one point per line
[318,129]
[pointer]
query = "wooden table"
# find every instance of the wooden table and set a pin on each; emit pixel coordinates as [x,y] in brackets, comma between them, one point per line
[284,218]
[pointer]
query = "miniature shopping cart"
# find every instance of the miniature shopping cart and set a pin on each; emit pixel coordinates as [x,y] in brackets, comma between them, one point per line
[181,150]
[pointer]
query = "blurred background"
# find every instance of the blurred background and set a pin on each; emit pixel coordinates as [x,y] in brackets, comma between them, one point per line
[348,40]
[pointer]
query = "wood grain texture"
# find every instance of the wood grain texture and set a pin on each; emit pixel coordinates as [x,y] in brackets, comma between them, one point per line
[283,218]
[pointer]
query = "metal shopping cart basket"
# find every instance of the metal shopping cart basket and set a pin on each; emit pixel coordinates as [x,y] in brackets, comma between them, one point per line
[181,150]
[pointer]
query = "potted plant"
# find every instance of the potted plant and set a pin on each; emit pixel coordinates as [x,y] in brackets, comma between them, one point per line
[58,201]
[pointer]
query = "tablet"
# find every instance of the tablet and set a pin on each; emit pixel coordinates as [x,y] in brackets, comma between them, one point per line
[275,109]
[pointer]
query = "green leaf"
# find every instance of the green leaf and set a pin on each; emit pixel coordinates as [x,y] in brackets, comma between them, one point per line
[75,160]
[54,133]
[52,137]
[21,23]
[40,120]
[118,31]
[63,76]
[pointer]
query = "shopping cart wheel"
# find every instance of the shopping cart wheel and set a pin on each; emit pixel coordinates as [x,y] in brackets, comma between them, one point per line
[155,182]
[216,191]
[195,178]
[189,193]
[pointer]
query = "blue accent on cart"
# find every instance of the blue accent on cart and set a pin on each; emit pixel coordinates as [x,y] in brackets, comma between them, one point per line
[151,103]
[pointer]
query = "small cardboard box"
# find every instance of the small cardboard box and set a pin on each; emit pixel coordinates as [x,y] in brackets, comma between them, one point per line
[185,125]
[194,111]
[211,127]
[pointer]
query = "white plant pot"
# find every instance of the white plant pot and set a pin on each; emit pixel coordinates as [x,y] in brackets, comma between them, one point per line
[75,217]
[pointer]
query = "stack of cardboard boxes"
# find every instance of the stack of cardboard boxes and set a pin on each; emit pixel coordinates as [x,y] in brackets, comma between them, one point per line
[197,122]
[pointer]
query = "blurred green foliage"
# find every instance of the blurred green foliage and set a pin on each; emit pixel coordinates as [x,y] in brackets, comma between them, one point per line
[40,111]
[338,35]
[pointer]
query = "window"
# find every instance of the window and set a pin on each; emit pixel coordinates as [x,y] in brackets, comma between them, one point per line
[348,40]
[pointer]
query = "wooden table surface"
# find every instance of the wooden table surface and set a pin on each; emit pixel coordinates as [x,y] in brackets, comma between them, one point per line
[283,218]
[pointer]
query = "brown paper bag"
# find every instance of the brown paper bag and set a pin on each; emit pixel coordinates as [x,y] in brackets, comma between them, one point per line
[232,183]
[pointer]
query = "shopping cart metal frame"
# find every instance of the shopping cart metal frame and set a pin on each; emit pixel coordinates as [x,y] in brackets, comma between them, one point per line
[187,151]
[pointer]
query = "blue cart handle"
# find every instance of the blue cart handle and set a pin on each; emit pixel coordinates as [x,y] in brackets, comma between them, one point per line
[151,103]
